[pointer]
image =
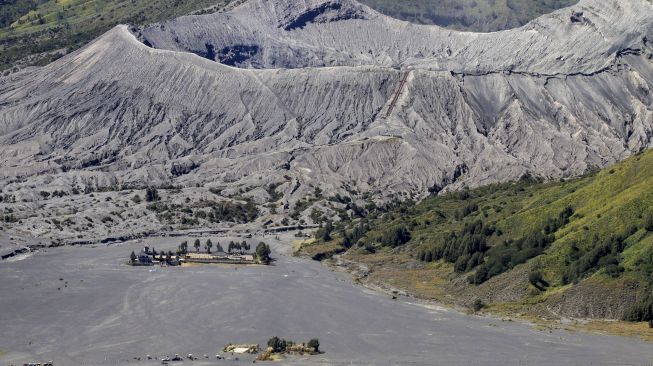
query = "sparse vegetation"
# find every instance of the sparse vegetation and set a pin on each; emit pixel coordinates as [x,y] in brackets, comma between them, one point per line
[559,234]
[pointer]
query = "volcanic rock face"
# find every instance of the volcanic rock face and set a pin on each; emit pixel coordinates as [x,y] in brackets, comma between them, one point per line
[331,93]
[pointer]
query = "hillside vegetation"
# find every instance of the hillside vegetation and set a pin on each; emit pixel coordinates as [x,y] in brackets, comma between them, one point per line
[35,32]
[469,15]
[580,248]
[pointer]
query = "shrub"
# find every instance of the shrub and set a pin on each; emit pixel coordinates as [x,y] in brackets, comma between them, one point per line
[478,305]
[642,310]
[278,345]
[151,195]
[537,280]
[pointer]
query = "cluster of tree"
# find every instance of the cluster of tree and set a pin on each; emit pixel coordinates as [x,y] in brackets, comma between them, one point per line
[218,212]
[395,237]
[238,247]
[506,256]
[602,253]
[232,212]
[208,245]
[352,238]
[466,248]
[8,198]
[280,345]
[272,192]
[46,194]
[263,253]
[469,249]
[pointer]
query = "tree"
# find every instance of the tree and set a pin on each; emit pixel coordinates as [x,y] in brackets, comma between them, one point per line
[231,246]
[277,344]
[151,195]
[218,248]
[208,245]
[263,253]
[183,247]
[325,232]
[136,199]
[132,257]
[314,344]
[197,245]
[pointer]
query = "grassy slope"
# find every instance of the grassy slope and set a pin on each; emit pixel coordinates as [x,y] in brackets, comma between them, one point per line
[469,15]
[617,200]
[46,26]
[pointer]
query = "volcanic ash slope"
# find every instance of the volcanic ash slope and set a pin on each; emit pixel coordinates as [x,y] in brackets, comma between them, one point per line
[301,91]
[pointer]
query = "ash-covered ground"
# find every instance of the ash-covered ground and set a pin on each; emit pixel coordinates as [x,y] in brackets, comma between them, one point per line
[83,306]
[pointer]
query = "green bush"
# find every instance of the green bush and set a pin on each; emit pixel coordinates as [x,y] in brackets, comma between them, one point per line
[537,280]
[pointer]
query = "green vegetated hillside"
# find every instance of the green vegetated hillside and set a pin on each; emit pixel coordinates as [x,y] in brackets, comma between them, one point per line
[469,15]
[35,32]
[580,248]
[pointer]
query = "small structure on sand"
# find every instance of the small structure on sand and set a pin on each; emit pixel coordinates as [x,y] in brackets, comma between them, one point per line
[241,348]
[142,259]
[219,258]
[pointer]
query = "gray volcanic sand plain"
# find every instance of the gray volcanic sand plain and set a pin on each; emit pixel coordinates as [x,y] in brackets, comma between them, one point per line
[110,313]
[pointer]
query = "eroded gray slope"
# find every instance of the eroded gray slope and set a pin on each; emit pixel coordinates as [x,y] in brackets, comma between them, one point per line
[121,113]
[294,34]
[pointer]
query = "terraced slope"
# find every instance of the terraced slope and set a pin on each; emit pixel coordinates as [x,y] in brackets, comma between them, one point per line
[581,248]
